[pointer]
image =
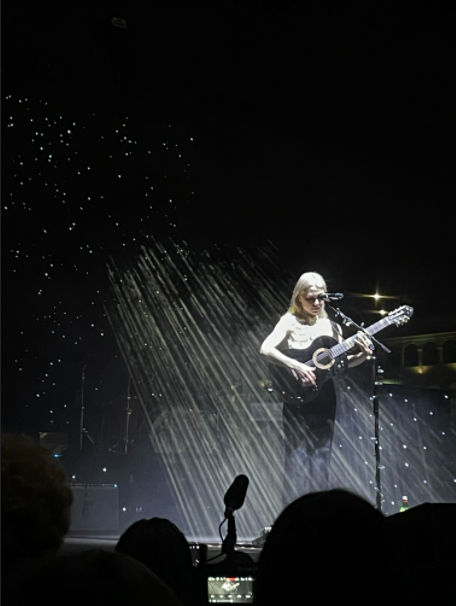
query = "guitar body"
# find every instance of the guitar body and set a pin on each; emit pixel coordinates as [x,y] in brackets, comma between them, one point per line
[326,367]
[328,357]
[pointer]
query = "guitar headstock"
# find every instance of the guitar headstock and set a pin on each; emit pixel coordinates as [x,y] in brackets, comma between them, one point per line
[401,315]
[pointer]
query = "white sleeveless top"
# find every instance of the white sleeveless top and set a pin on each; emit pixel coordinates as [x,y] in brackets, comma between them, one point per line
[300,335]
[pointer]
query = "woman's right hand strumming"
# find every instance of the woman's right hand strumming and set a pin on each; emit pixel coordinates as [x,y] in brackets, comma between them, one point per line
[305,374]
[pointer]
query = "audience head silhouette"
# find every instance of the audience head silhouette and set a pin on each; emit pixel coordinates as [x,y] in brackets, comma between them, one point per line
[36,502]
[163,548]
[92,578]
[326,546]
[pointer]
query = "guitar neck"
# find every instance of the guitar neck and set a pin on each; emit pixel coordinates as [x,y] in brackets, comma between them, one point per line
[341,348]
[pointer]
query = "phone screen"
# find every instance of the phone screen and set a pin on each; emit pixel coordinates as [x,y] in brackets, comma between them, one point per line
[230,590]
[199,553]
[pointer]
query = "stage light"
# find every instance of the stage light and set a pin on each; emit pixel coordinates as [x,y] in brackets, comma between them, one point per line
[375,296]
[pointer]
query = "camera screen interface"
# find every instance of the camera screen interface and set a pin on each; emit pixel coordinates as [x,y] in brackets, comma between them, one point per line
[230,590]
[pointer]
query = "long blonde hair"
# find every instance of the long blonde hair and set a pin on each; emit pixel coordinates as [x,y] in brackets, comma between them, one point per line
[305,282]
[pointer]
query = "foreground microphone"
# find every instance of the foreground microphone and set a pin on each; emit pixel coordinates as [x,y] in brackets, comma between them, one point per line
[330,296]
[235,495]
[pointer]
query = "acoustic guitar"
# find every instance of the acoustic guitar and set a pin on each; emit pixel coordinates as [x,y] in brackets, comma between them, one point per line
[328,357]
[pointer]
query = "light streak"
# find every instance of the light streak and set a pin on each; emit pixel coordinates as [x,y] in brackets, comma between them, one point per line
[189,326]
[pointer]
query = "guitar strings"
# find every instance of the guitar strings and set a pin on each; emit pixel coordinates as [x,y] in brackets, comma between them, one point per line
[379,325]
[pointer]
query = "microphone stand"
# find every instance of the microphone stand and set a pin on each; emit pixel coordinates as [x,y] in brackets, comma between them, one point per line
[127,422]
[378,467]
[81,423]
[378,486]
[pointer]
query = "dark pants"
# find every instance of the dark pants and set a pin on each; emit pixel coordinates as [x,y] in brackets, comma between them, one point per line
[309,430]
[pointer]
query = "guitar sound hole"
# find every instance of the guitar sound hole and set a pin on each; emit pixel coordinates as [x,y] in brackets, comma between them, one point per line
[324,359]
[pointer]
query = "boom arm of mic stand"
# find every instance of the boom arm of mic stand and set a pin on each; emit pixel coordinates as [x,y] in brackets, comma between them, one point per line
[361,328]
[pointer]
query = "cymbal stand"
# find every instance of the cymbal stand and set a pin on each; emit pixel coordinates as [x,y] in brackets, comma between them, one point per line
[81,422]
[128,410]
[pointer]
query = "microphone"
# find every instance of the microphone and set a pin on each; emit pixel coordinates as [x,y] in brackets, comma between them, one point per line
[235,495]
[330,296]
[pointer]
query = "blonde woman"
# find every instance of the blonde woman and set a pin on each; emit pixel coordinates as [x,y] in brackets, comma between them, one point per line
[308,427]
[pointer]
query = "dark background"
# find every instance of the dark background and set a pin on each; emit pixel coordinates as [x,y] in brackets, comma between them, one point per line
[326,130]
